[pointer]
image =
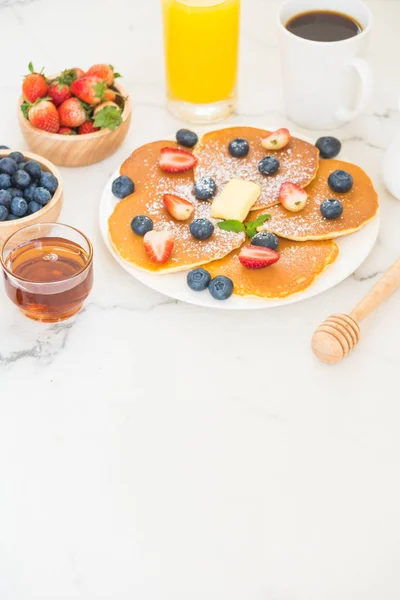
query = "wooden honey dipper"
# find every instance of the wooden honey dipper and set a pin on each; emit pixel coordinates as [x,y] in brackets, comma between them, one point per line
[337,336]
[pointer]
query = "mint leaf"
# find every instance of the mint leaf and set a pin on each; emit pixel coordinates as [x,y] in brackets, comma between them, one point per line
[108,117]
[261,219]
[251,230]
[231,225]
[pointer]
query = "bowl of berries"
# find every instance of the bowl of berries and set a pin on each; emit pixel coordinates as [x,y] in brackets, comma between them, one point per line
[75,118]
[31,191]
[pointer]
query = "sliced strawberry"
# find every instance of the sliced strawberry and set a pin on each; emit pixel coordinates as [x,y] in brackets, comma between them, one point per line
[179,208]
[276,140]
[174,160]
[292,197]
[258,257]
[158,245]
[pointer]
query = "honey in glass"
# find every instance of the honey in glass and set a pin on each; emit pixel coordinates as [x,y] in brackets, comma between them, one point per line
[48,277]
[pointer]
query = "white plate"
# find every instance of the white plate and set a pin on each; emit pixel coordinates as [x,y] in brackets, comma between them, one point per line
[353,250]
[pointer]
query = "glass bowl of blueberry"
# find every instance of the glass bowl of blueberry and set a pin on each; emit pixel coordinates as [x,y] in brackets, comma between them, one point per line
[31,191]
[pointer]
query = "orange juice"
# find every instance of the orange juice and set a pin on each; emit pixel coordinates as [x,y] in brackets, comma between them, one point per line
[201,49]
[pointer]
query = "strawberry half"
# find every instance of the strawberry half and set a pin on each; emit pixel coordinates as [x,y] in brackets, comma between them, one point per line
[158,245]
[174,160]
[276,140]
[179,208]
[258,257]
[292,197]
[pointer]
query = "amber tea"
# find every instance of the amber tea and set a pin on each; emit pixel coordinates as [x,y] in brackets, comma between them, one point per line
[48,278]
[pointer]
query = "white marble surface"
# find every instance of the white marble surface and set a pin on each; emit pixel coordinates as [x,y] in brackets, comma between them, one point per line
[157,451]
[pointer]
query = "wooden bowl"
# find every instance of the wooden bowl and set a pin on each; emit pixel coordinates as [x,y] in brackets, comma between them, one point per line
[48,213]
[77,150]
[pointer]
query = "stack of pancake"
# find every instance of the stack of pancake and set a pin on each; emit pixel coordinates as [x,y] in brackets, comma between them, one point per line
[306,238]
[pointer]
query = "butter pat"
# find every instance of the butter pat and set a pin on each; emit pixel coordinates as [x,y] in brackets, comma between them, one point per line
[235,200]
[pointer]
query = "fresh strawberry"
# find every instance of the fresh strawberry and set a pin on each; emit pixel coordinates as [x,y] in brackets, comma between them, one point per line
[79,73]
[66,131]
[59,92]
[34,86]
[89,89]
[174,160]
[42,114]
[110,95]
[158,245]
[88,127]
[100,107]
[292,197]
[179,208]
[258,257]
[71,113]
[104,72]
[276,140]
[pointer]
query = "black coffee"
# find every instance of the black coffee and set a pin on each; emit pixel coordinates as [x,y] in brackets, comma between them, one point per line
[323,26]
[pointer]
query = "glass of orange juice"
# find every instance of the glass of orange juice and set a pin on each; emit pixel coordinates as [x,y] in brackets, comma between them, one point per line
[201,40]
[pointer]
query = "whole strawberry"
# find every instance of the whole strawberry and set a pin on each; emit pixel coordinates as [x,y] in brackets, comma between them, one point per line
[34,85]
[59,92]
[71,113]
[88,127]
[104,72]
[66,131]
[43,115]
[89,89]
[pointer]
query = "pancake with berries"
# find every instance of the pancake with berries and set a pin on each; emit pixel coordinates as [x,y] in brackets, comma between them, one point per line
[162,227]
[276,268]
[340,201]
[268,159]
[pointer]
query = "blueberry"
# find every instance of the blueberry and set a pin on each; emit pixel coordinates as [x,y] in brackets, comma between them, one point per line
[21,179]
[17,156]
[340,181]
[122,187]
[29,193]
[4,148]
[5,181]
[328,146]
[267,239]
[3,212]
[41,195]
[201,229]
[49,181]
[33,169]
[198,279]
[331,209]
[205,188]
[18,207]
[221,287]
[5,198]
[12,217]
[141,225]
[268,165]
[8,165]
[239,147]
[16,192]
[186,138]
[34,207]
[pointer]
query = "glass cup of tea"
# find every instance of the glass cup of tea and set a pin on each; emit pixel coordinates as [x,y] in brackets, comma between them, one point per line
[48,271]
[201,44]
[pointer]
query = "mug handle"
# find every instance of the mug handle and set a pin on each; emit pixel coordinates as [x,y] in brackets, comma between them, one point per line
[364,71]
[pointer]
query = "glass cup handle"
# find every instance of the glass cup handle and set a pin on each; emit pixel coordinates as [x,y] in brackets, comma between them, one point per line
[365,74]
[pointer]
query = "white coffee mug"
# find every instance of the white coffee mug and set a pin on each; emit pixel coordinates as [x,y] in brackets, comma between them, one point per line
[326,84]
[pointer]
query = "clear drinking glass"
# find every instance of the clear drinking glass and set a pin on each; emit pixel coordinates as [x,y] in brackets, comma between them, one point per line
[48,271]
[201,41]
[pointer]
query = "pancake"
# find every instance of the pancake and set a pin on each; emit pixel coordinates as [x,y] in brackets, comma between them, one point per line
[298,162]
[360,205]
[150,185]
[297,268]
